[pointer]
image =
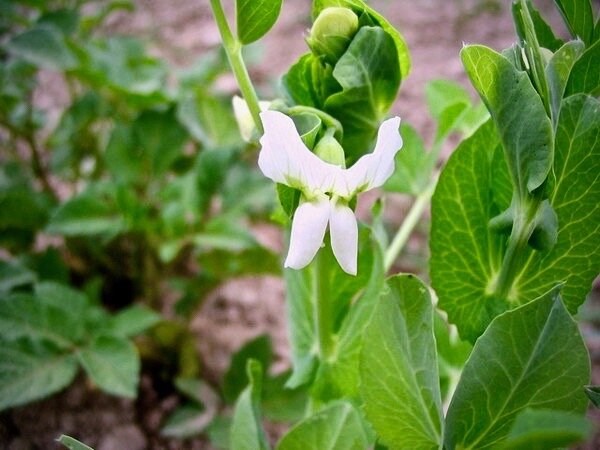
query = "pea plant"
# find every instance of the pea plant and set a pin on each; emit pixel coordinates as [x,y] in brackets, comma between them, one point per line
[514,235]
[149,170]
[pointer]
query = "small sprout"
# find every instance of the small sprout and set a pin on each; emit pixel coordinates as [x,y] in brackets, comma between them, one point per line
[332,32]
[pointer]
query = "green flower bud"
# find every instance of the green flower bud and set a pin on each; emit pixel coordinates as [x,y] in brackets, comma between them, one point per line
[330,150]
[332,32]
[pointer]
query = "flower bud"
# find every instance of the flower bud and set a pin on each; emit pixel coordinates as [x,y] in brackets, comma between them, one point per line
[330,150]
[244,118]
[332,32]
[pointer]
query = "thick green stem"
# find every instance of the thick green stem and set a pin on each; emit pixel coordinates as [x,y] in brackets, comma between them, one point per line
[410,222]
[322,304]
[233,49]
[512,263]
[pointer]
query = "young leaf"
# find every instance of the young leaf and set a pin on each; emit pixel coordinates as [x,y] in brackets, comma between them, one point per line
[593,393]
[255,18]
[558,71]
[359,6]
[246,429]
[73,444]
[534,357]
[518,112]
[585,74]
[113,364]
[369,75]
[32,370]
[399,381]
[540,429]
[337,427]
[578,17]
[543,32]
[236,378]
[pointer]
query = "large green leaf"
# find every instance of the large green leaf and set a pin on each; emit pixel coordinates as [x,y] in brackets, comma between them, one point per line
[541,429]
[370,78]
[578,17]
[44,47]
[246,429]
[337,427]
[466,254]
[585,74]
[113,364]
[531,357]
[517,111]
[399,381]
[255,18]
[30,371]
[575,196]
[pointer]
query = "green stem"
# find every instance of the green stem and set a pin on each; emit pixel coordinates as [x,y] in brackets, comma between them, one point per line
[512,263]
[233,49]
[322,304]
[410,222]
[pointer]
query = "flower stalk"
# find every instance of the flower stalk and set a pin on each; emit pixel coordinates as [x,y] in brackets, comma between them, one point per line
[233,49]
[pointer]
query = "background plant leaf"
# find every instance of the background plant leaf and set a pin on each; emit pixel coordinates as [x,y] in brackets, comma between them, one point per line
[255,18]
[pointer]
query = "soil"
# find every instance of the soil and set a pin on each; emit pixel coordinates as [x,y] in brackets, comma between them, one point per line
[181,31]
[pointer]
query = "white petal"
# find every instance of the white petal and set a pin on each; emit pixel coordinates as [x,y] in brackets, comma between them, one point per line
[372,170]
[244,118]
[308,230]
[344,237]
[285,159]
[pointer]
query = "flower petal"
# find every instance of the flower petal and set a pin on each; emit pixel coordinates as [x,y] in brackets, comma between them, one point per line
[244,118]
[372,170]
[285,159]
[308,230]
[344,237]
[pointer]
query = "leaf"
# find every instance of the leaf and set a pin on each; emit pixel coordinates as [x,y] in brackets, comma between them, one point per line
[72,444]
[585,74]
[359,6]
[349,317]
[113,364]
[534,357]
[236,378]
[541,429]
[13,275]
[411,172]
[399,381]
[337,427]
[132,321]
[593,393]
[557,73]
[370,78]
[578,17]
[209,119]
[87,214]
[543,32]
[255,18]
[465,254]
[519,115]
[31,370]
[44,47]
[246,429]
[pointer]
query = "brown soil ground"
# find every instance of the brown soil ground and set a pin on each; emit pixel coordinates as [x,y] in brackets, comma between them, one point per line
[180,31]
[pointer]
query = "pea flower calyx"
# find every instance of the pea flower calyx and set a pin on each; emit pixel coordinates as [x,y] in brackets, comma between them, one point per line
[326,188]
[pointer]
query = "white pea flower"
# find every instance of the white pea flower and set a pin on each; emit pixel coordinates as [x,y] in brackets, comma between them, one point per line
[326,188]
[244,118]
